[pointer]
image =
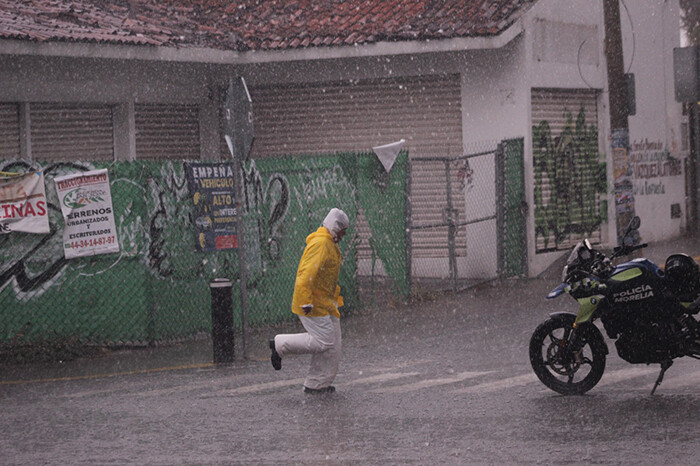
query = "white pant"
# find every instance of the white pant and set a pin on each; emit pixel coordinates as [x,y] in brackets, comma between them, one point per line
[322,340]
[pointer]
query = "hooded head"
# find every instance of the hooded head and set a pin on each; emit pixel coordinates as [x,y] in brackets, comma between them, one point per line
[335,222]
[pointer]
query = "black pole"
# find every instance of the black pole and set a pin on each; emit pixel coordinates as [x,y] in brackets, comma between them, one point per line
[619,126]
[222,319]
[694,123]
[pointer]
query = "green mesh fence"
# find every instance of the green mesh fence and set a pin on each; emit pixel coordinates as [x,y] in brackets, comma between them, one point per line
[383,198]
[157,287]
[514,249]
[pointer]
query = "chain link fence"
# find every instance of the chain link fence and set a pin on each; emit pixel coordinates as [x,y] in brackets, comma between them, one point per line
[467,217]
[156,288]
[440,223]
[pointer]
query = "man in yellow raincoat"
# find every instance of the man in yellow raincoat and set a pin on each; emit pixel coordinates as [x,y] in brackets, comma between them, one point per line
[316,301]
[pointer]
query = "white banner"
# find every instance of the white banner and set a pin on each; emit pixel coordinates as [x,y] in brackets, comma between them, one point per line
[388,152]
[86,203]
[23,204]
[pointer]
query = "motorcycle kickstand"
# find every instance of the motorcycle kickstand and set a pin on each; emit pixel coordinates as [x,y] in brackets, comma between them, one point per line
[664,366]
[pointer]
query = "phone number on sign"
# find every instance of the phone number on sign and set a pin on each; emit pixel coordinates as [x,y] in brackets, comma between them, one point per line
[91,243]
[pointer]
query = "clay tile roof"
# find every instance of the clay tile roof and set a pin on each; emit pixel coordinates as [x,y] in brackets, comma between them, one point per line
[253,24]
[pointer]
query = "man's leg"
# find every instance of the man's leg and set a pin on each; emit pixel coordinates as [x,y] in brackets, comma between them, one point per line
[324,364]
[316,339]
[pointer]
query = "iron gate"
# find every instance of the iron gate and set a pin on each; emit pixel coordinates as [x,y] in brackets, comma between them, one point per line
[467,217]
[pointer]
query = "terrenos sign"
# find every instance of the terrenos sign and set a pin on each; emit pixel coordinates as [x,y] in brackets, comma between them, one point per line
[686,73]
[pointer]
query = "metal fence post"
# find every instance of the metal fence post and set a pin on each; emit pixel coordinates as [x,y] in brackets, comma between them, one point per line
[409,230]
[451,227]
[500,209]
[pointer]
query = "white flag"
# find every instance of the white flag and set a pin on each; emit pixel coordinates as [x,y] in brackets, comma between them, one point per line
[387,153]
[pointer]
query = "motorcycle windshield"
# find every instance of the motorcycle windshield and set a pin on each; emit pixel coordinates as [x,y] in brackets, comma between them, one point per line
[556,292]
[576,252]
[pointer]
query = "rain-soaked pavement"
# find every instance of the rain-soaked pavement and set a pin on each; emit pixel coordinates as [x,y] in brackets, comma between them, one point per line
[445,381]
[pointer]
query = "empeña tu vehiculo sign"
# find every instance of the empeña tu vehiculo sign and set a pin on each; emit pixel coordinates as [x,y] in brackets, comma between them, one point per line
[212,187]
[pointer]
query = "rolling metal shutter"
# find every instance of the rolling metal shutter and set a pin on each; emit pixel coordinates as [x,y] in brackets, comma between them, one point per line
[9,131]
[167,131]
[552,105]
[429,206]
[71,132]
[342,116]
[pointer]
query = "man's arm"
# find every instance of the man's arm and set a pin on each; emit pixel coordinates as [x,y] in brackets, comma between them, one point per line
[338,297]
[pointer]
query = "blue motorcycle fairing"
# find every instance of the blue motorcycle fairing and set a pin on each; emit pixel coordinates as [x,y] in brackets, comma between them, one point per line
[642,262]
[558,291]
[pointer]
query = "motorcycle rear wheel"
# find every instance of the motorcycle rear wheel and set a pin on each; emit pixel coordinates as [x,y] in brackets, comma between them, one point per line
[567,371]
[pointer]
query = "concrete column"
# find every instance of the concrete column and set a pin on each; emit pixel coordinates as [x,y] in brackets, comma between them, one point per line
[124,123]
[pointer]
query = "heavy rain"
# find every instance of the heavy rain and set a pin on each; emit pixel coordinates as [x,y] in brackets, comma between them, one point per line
[349,232]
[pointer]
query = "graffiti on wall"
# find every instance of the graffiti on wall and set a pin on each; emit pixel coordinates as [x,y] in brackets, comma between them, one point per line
[326,184]
[153,217]
[169,216]
[269,202]
[569,179]
[651,166]
[34,263]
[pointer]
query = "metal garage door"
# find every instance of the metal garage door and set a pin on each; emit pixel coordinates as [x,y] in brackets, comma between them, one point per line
[9,131]
[567,168]
[71,132]
[350,116]
[167,131]
[342,116]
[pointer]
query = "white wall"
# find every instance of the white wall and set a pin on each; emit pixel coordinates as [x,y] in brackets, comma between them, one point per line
[649,40]
[494,107]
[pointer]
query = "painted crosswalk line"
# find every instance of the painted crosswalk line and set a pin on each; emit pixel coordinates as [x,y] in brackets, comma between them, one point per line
[497,385]
[263,386]
[387,382]
[430,383]
[381,378]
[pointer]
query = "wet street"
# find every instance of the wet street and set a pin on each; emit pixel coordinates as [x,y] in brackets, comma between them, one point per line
[446,381]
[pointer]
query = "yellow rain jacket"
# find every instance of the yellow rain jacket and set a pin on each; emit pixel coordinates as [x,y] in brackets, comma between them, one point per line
[317,276]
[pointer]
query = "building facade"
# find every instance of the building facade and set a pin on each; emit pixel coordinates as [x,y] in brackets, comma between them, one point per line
[541,77]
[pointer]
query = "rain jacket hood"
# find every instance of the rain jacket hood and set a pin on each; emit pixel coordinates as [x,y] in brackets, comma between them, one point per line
[317,275]
[335,221]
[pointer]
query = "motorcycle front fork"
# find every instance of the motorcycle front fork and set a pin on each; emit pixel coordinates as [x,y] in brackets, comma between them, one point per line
[573,345]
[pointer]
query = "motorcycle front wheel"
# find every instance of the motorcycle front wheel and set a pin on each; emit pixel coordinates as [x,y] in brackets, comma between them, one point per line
[570,366]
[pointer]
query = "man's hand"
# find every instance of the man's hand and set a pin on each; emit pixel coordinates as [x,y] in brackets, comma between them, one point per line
[307,308]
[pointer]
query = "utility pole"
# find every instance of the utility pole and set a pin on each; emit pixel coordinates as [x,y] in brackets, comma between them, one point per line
[686,77]
[619,127]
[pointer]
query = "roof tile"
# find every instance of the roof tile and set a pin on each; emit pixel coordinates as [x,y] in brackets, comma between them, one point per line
[253,24]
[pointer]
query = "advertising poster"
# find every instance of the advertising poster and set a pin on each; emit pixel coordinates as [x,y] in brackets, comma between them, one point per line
[23,203]
[211,186]
[86,204]
[622,173]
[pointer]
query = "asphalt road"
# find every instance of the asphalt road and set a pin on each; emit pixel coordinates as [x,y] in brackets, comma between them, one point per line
[445,381]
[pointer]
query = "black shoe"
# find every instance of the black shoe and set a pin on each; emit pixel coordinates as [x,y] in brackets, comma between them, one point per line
[275,358]
[318,391]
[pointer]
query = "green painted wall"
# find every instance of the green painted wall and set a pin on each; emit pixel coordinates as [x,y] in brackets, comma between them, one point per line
[157,287]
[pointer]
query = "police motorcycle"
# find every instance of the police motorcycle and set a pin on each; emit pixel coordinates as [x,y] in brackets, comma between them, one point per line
[649,312]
